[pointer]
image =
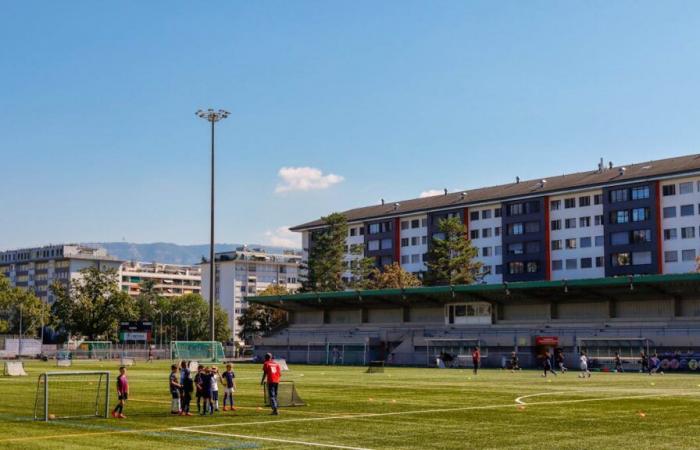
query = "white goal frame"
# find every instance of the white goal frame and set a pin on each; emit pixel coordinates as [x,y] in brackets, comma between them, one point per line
[7,370]
[461,360]
[46,376]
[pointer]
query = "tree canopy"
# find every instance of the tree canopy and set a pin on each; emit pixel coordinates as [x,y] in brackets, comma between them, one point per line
[452,258]
[259,319]
[18,305]
[392,276]
[326,263]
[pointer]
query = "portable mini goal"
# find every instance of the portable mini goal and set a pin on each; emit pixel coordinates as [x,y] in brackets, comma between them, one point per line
[287,395]
[375,367]
[70,395]
[14,369]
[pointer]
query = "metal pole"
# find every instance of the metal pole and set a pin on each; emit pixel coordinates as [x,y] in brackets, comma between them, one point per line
[212,270]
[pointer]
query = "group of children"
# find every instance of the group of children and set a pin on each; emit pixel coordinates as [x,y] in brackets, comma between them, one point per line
[205,385]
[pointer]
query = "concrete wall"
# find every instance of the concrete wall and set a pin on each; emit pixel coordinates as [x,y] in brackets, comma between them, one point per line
[582,311]
[629,309]
[540,311]
[393,315]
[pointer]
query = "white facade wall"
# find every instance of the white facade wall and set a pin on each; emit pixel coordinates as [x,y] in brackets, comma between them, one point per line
[578,234]
[355,237]
[678,244]
[485,233]
[414,233]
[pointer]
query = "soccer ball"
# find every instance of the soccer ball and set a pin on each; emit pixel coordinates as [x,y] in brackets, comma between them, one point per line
[52,416]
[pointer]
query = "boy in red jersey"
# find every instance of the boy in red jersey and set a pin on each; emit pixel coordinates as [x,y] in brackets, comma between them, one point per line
[476,359]
[271,371]
[122,394]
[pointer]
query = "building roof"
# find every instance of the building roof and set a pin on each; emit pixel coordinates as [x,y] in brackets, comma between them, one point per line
[593,289]
[524,188]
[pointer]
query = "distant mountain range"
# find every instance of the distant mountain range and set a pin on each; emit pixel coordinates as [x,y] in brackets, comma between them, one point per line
[166,252]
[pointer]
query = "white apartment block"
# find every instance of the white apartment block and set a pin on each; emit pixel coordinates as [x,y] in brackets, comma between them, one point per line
[37,268]
[247,272]
[680,221]
[171,280]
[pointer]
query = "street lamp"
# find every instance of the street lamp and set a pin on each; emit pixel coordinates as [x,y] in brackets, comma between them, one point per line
[213,117]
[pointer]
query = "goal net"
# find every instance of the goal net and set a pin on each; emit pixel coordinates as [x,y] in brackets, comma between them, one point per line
[93,350]
[452,352]
[64,358]
[375,367]
[601,351]
[287,395]
[63,395]
[346,353]
[197,350]
[283,364]
[15,369]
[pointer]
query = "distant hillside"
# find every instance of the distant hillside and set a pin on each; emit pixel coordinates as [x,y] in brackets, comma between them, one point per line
[168,253]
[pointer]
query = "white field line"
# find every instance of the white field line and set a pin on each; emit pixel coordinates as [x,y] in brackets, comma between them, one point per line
[259,438]
[436,410]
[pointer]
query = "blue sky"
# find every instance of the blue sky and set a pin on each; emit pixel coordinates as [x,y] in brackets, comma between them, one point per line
[99,141]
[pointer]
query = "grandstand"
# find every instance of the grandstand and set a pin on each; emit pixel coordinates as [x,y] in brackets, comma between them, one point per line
[399,325]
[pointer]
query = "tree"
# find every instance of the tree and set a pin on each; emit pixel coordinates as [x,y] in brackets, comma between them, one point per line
[451,260]
[393,276]
[20,307]
[361,268]
[188,319]
[259,319]
[325,266]
[92,305]
[148,301]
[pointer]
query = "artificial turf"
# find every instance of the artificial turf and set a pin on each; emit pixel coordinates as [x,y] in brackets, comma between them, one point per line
[402,408]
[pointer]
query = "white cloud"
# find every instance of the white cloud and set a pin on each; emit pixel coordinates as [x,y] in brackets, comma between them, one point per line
[305,179]
[431,193]
[283,237]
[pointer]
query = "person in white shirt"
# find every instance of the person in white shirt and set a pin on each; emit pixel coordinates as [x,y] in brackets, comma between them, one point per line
[584,366]
[215,387]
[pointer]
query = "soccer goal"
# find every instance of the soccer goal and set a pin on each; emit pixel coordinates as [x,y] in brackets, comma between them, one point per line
[375,367]
[14,369]
[93,350]
[339,353]
[283,364]
[197,350]
[451,352]
[601,351]
[69,395]
[287,395]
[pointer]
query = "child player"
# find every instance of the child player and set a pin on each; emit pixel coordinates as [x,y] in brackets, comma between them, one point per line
[122,394]
[198,387]
[206,381]
[215,388]
[618,363]
[514,362]
[174,390]
[187,388]
[229,386]
[584,366]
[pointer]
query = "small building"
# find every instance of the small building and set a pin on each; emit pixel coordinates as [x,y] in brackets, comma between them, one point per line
[418,326]
[171,280]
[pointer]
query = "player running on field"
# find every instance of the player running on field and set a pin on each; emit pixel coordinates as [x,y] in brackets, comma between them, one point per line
[559,359]
[514,362]
[476,359]
[174,387]
[229,386]
[271,372]
[547,364]
[644,361]
[122,394]
[584,366]
[618,363]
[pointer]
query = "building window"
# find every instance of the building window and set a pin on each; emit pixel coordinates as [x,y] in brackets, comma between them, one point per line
[571,244]
[599,261]
[585,242]
[620,259]
[671,256]
[670,234]
[555,205]
[373,228]
[620,238]
[515,229]
[386,244]
[532,247]
[424,240]
[557,264]
[640,192]
[415,223]
[373,245]
[474,234]
[415,240]
[586,263]
[424,223]
[404,259]
[515,248]
[597,199]
[556,224]
[668,189]
[533,267]
[404,242]
[497,212]
[486,251]
[474,215]
[556,245]
[687,210]
[685,188]
[569,223]
[640,214]
[621,216]
[641,236]
[669,212]
[486,214]
[599,241]
[515,209]
[497,231]
[571,264]
[516,267]
[618,195]
[499,269]
[584,222]
[532,227]
[353,231]
[598,220]
[569,203]
[405,224]
[415,258]
[497,250]
[641,258]
[584,201]
[486,232]
[687,232]
[688,255]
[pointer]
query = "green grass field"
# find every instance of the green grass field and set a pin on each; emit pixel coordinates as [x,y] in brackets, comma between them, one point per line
[400,408]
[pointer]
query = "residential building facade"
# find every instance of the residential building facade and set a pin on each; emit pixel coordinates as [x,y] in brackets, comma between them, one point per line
[171,280]
[37,268]
[611,221]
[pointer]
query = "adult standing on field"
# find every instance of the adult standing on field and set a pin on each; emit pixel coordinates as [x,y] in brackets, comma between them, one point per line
[476,359]
[271,372]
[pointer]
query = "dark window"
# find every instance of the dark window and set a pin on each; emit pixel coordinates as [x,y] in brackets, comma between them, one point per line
[640,192]
[515,229]
[557,264]
[670,234]
[570,223]
[599,261]
[584,201]
[598,199]
[515,248]
[618,195]
[404,242]
[556,245]
[497,213]
[486,214]
[515,209]
[599,220]
[555,204]
[668,189]
[621,216]
[415,223]
[586,263]
[640,214]
[474,215]
[499,269]
[687,210]
[620,238]
[669,211]
[641,236]
[474,234]
[584,221]
[516,267]
[569,203]
[532,227]
[556,224]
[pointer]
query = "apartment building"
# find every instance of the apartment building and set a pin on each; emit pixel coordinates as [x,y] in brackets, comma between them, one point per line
[246,272]
[636,219]
[171,280]
[37,268]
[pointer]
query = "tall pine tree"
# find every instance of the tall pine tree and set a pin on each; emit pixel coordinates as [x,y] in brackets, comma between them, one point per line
[326,264]
[451,260]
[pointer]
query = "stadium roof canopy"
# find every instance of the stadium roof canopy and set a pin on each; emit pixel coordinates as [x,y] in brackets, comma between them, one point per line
[674,286]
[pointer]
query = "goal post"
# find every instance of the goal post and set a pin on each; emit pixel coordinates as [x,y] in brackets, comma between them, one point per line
[93,350]
[69,395]
[346,353]
[197,350]
[452,352]
[287,395]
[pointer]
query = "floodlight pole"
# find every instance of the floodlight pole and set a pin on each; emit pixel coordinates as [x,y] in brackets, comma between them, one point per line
[212,116]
